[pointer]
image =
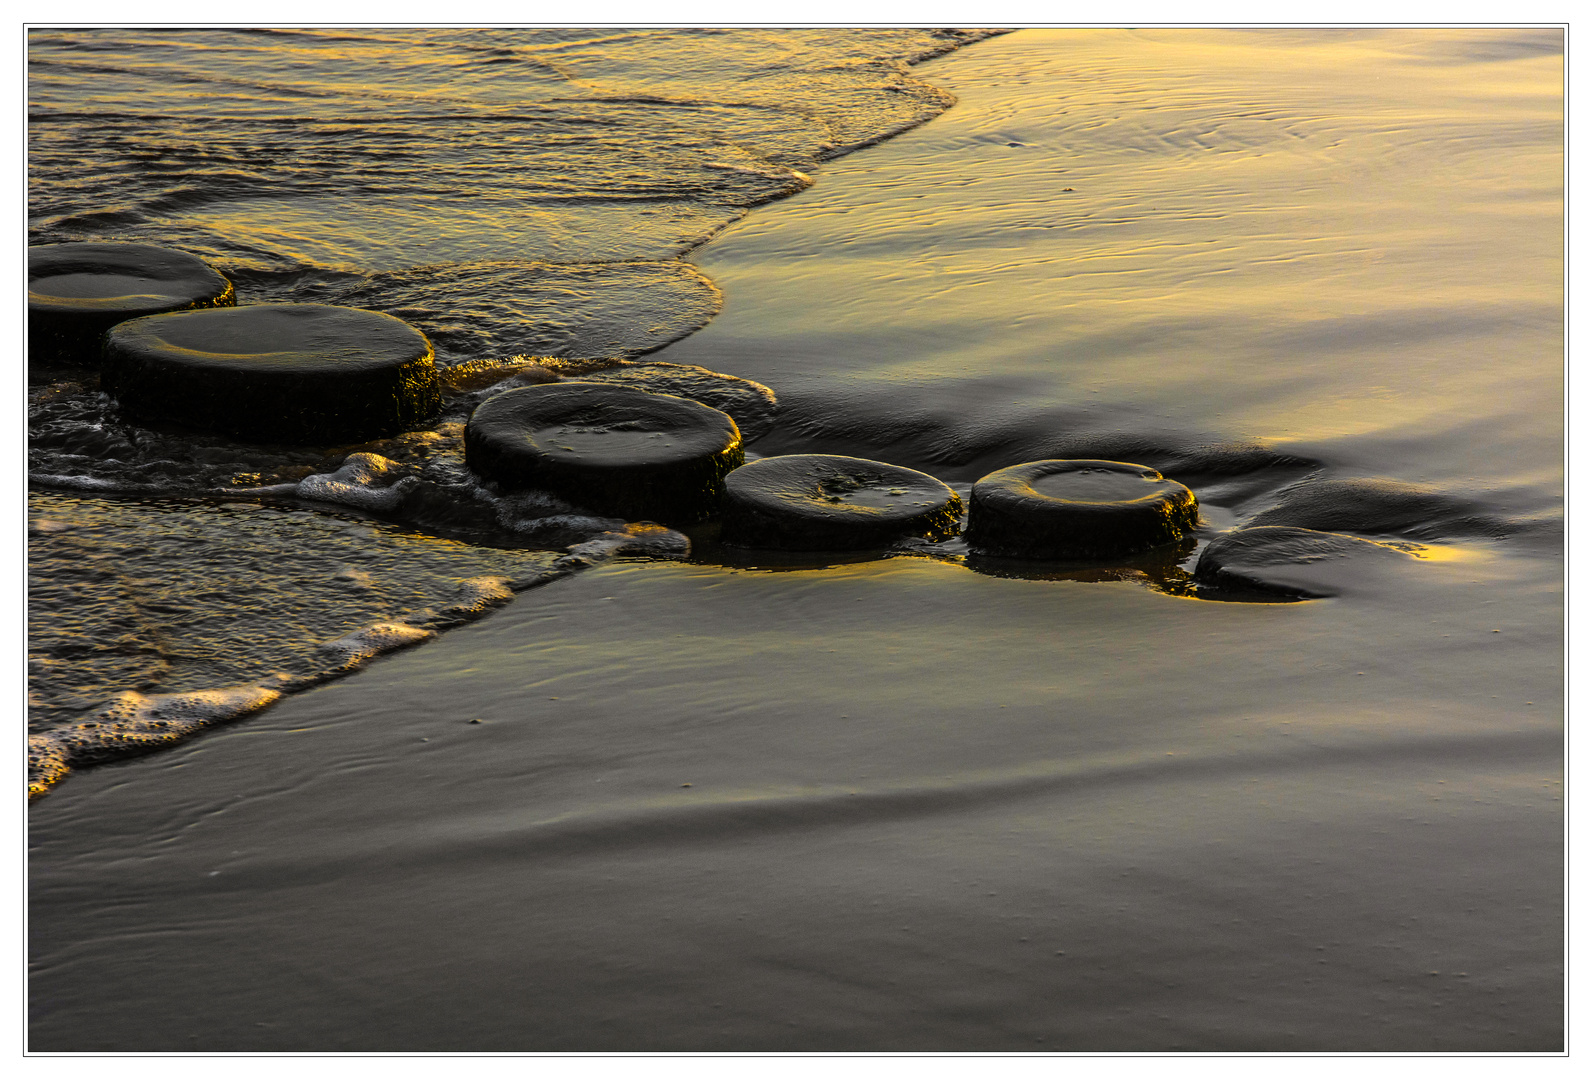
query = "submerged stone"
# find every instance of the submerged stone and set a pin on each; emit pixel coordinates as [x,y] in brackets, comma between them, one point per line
[825,502]
[610,448]
[1283,561]
[76,292]
[1077,509]
[284,373]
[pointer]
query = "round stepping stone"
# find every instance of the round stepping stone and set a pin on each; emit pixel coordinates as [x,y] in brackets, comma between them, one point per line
[825,502]
[1077,509]
[1287,562]
[606,447]
[76,292]
[284,373]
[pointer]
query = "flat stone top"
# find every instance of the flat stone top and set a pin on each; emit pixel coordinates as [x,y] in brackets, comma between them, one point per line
[833,483]
[603,425]
[300,337]
[117,277]
[1098,483]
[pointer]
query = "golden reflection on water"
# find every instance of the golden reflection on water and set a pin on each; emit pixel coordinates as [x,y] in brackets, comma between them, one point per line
[1074,818]
[1299,235]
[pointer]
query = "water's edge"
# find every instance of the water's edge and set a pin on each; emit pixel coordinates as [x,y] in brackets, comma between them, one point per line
[366,482]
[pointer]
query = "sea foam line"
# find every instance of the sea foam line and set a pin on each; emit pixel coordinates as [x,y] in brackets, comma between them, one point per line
[138,723]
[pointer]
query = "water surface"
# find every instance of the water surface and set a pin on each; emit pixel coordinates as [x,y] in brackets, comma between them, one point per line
[929,802]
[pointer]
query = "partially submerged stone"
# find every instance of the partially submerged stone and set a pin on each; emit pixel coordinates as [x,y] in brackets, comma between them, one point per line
[1077,509]
[825,502]
[286,373]
[76,292]
[609,448]
[1283,561]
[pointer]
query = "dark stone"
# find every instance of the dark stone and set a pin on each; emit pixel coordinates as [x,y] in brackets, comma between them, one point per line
[76,292]
[609,448]
[824,502]
[286,373]
[1283,561]
[1077,509]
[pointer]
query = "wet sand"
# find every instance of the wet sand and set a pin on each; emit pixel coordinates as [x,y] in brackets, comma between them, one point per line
[962,823]
[896,804]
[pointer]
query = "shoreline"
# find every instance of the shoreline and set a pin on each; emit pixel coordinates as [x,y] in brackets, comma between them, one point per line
[137,723]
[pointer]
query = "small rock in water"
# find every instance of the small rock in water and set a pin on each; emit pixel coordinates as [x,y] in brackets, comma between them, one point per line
[1287,562]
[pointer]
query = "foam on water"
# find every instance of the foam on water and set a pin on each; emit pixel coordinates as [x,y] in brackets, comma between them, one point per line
[157,594]
[639,539]
[181,598]
[363,481]
[353,651]
[136,724]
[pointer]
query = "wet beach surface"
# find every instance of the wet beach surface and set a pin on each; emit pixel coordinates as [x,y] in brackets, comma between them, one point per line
[1160,825]
[936,802]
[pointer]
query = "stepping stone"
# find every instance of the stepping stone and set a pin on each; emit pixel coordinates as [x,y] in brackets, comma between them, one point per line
[282,373]
[76,292]
[1065,509]
[607,447]
[1299,564]
[825,502]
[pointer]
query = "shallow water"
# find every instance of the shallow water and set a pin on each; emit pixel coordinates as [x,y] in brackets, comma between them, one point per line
[896,805]
[942,802]
[1343,245]
[521,197]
